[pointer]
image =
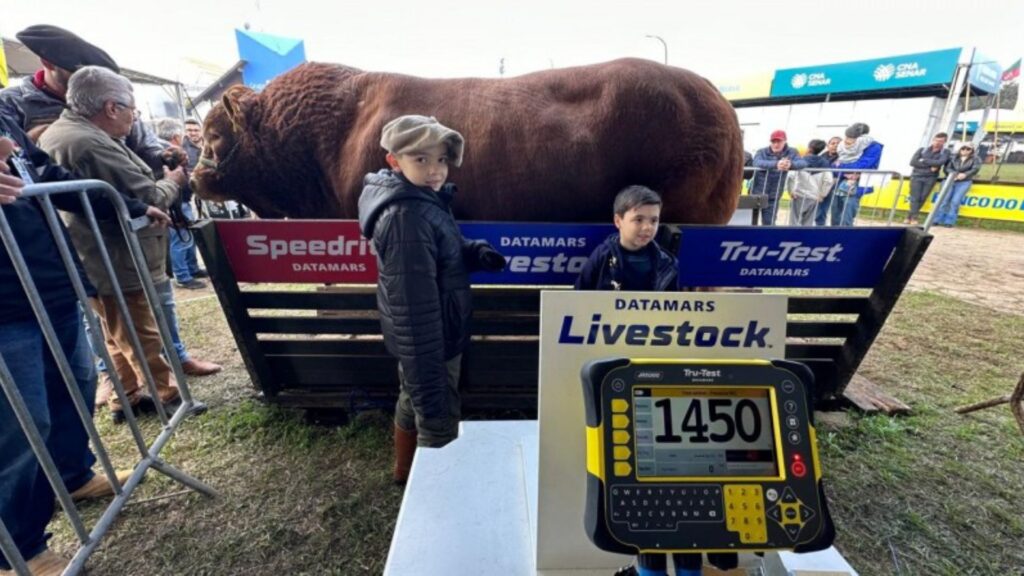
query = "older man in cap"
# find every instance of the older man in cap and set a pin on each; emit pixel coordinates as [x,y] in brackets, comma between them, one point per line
[774,161]
[87,138]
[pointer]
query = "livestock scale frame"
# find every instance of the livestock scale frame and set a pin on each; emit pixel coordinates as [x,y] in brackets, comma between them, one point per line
[322,349]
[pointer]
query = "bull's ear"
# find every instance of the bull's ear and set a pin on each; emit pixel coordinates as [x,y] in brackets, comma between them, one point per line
[234,104]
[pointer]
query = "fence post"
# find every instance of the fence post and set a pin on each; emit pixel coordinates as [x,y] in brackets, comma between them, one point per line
[149,456]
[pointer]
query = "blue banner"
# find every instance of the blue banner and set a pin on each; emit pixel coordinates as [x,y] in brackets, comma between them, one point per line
[538,254]
[267,56]
[986,73]
[742,256]
[910,70]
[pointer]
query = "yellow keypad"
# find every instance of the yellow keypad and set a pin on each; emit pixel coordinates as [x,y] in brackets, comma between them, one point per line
[622,452]
[620,421]
[623,468]
[619,405]
[744,512]
[620,437]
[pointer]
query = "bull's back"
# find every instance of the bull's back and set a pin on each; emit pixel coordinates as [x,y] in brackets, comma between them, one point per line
[558,145]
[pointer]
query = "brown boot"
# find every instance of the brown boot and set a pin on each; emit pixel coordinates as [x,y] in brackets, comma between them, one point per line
[405,449]
[46,563]
[99,487]
[194,367]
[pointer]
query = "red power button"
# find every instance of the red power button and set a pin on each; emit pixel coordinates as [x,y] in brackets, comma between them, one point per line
[798,468]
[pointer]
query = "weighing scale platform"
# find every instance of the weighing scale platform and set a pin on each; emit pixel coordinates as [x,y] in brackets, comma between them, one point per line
[471,508]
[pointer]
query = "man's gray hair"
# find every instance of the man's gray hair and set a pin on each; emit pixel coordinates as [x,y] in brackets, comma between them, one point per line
[168,128]
[93,86]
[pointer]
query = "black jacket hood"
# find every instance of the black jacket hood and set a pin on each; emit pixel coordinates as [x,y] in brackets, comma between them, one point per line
[386,187]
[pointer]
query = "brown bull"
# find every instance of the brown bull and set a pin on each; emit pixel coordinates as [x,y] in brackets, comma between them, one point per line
[549,146]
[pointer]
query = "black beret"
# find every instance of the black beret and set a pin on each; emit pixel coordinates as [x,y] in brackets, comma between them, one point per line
[64,49]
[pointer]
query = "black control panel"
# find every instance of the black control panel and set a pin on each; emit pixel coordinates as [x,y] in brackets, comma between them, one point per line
[709,456]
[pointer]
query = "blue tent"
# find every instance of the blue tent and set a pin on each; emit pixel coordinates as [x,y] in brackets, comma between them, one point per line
[266,56]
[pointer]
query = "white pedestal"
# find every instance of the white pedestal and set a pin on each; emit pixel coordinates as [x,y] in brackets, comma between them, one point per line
[471,508]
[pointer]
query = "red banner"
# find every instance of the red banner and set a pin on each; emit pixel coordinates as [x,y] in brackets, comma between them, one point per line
[299,251]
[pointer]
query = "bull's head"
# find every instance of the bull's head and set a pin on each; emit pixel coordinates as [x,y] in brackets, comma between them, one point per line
[225,170]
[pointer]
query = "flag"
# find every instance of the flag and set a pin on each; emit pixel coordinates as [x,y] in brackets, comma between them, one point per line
[1012,72]
[3,65]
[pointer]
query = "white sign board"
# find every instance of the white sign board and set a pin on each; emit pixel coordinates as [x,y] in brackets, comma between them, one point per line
[581,326]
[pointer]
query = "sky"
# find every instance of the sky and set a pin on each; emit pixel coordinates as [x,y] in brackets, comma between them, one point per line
[446,38]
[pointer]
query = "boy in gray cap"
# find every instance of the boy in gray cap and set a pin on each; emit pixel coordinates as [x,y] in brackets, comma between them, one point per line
[423,289]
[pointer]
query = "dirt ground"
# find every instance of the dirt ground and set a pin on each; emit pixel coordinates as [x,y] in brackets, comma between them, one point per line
[978,266]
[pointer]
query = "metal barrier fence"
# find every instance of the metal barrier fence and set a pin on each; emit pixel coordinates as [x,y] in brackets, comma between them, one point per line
[149,454]
[758,184]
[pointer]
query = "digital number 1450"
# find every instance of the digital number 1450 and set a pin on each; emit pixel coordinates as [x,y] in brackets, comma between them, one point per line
[743,418]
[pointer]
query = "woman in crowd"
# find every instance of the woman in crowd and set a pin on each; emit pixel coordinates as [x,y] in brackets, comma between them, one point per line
[962,168]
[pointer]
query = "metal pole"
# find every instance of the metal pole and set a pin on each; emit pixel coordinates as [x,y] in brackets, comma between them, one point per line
[38,444]
[95,330]
[11,553]
[89,541]
[664,45]
[122,304]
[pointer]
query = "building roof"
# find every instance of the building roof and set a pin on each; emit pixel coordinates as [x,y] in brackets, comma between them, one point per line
[232,77]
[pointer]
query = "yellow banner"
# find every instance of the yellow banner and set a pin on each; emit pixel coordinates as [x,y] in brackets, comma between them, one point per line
[1004,126]
[750,87]
[984,201]
[3,65]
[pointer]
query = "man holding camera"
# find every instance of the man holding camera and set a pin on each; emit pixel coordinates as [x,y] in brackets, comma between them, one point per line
[87,138]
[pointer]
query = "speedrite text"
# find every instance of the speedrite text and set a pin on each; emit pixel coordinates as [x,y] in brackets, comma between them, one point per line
[259,245]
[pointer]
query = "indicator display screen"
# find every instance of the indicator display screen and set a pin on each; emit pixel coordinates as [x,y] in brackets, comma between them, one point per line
[684,432]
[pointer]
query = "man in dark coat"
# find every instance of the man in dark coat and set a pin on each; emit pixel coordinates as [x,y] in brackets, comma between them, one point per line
[926,163]
[774,161]
[39,101]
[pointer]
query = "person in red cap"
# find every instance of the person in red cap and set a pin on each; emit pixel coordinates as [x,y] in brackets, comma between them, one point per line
[773,162]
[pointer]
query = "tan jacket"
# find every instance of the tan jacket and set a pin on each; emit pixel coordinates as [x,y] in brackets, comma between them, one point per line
[80,146]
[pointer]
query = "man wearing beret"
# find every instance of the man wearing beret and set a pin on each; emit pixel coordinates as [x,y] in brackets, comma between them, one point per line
[39,101]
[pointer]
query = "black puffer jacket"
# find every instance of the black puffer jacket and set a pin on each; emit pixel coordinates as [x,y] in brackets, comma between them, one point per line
[423,289]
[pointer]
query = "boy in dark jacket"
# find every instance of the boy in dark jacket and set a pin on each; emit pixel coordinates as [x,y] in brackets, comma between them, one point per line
[631,259]
[423,290]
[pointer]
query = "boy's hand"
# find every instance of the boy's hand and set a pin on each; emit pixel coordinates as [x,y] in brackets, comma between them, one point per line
[490,259]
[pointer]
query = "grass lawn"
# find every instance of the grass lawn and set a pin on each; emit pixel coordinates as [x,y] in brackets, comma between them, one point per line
[932,494]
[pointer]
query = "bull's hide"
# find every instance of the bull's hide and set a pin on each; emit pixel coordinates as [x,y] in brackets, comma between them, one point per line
[549,146]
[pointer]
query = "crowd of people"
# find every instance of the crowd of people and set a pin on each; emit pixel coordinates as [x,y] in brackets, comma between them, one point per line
[75,119]
[826,183]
